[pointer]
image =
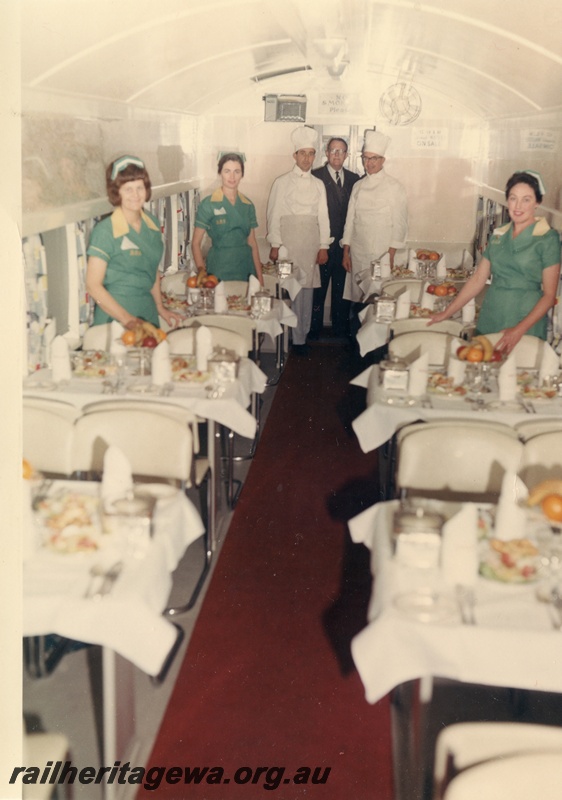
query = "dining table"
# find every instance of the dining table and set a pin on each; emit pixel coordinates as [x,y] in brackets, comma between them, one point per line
[508,637]
[385,415]
[110,591]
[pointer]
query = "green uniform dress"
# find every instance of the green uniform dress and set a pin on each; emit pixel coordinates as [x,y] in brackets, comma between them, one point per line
[516,267]
[132,263]
[228,226]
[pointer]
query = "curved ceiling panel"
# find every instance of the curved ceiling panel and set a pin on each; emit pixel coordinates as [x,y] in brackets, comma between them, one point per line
[185,55]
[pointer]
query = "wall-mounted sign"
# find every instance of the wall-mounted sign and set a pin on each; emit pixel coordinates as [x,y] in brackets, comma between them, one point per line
[533,139]
[430,138]
[336,103]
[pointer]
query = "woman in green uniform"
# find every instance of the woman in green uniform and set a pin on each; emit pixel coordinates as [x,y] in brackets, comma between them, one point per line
[124,252]
[523,258]
[229,219]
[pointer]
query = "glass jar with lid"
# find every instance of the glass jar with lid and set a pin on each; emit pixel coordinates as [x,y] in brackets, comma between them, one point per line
[385,308]
[261,303]
[393,374]
[417,537]
[284,268]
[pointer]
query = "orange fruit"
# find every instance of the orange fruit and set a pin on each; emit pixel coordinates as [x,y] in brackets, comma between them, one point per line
[552,507]
[212,279]
[441,290]
[128,337]
[475,354]
[27,469]
[192,281]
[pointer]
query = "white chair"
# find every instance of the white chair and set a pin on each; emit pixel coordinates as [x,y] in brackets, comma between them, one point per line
[238,288]
[48,431]
[175,283]
[525,776]
[542,458]
[182,340]
[465,744]
[97,337]
[533,427]
[156,445]
[39,749]
[458,462]
[437,344]
[527,351]
[451,326]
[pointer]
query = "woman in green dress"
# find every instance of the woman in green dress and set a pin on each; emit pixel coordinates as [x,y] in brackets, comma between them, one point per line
[523,259]
[229,219]
[124,252]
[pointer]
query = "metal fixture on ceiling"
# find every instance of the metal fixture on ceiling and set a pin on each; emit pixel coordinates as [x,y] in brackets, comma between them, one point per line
[400,104]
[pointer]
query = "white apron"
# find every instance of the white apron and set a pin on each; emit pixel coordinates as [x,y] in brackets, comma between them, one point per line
[372,233]
[300,235]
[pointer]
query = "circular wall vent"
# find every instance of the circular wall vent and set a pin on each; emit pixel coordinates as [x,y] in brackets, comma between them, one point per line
[401,104]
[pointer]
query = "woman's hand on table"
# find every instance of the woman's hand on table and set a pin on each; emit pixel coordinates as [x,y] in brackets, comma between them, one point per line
[510,337]
[171,317]
[440,317]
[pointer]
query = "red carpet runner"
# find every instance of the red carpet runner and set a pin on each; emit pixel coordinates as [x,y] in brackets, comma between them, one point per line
[267,680]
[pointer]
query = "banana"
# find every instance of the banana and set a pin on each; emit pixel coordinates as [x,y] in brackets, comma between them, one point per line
[201,278]
[487,346]
[543,489]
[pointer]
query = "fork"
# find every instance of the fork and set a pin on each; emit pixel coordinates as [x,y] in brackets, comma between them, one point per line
[109,577]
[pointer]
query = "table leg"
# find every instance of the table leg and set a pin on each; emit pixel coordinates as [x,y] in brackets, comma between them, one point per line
[118,710]
[407,730]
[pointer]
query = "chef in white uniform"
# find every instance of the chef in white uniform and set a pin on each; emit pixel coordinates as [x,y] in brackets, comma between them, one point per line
[377,216]
[298,225]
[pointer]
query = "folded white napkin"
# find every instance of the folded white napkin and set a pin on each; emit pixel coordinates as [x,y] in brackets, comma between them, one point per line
[221,303]
[385,265]
[456,368]
[203,347]
[459,547]
[161,368]
[511,517]
[403,305]
[507,380]
[253,287]
[418,375]
[116,346]
[428,300]
[469,311]
[117,478]
[550,363]
[441,270]
[60,360]
[412,262]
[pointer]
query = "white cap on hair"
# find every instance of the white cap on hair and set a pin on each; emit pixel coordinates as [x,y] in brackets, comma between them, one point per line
[376,142]
[304,137]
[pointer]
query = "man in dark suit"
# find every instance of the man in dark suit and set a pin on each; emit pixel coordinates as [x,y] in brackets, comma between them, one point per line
[338,182]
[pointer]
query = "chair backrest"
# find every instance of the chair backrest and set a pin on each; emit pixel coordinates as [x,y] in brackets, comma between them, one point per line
[425,341]
[238,288]
[527,351]
[175,283]
[464,744]
[457,461]
[542,458]
[454,422]
[48,436]
[183,415]
[97,337]
[533,427]
[515,777]
[155,445]
[395,285]
[400,326]
[182,340]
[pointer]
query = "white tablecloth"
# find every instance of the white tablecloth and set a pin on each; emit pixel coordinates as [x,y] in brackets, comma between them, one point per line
[271,324]
[128,620]
[513,643]
[372,334]
[229,410]
[379,422]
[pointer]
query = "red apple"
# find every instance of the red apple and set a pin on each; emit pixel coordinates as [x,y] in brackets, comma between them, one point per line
[431,289]
[451,290]
[149,341]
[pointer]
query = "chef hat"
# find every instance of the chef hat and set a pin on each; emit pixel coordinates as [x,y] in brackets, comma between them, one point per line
[304,136]
[376,142]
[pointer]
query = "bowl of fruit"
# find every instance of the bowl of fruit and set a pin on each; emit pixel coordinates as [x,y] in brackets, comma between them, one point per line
[140,342]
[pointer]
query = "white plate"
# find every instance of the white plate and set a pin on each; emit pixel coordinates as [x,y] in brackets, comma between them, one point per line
[45,386]
[427,606]
[506,405]
[143,388]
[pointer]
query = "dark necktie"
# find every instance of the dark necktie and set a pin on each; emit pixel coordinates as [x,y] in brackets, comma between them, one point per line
[338,180]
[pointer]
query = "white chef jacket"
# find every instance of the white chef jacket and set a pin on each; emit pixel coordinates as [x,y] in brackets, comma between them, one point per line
[377,219]
[298,193]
